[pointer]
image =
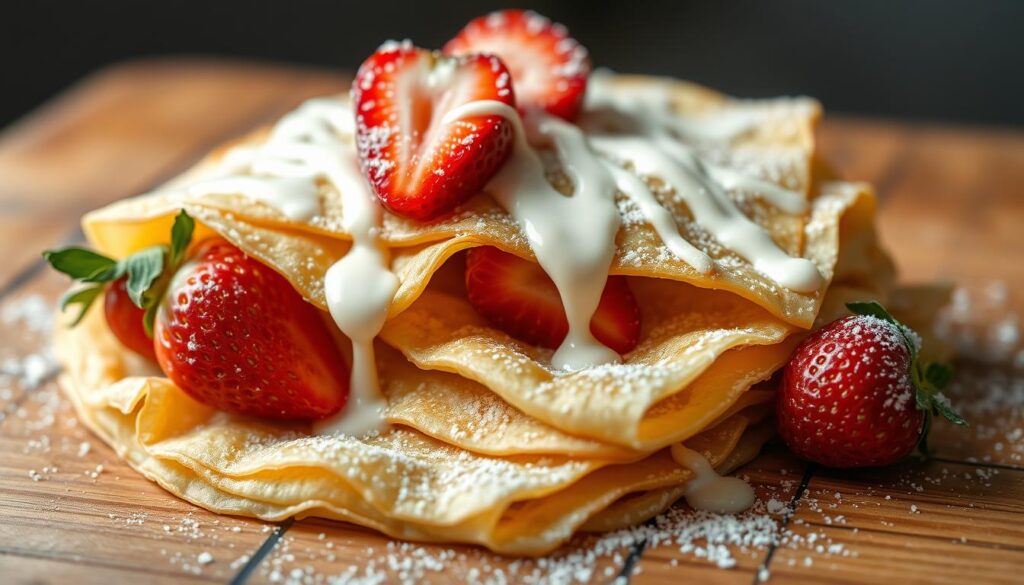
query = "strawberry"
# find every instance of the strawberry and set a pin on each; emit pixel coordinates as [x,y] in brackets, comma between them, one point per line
[519,298]
[126,320]
[237,336]
[420,166]
[854,393]
[549,68]
[133,286]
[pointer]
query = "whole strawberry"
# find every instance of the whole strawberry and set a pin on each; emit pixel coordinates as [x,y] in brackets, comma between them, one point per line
[236,335]
[854,393]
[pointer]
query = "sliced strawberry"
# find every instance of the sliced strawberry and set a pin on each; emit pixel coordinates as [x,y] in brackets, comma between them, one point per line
[420,166]
[236,335]
[519,298]
[549,68]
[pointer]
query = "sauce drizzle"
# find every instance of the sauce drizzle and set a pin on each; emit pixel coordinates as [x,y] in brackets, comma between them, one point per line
[572,237]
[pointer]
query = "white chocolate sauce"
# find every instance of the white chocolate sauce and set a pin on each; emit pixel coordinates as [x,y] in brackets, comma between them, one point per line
[282,172]
[586,222]
[315,143]
[573,237]
[709,490]
[297,198]
[711,206]
[650,146]
[360,288]
[664,223]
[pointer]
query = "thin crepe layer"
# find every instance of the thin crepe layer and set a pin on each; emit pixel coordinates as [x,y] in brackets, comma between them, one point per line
[401,482]
[441,332]
[777,147]
[304,257]
[704,349]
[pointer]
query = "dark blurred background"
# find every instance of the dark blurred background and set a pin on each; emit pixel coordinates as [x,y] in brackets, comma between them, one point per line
[936,60]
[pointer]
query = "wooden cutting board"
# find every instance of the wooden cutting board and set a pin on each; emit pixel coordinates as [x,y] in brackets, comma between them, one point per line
[71,511]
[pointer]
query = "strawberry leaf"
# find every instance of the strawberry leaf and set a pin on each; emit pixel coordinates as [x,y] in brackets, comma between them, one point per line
[148,271]
[84,265]
[84,297]
[181,236]
[938,375]
[922,399]
[872,309]
[143,268]
[944,408]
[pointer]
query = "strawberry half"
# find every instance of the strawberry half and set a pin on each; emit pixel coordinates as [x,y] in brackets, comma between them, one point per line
[549,68]
[420,166]
[237,336]
[519,298]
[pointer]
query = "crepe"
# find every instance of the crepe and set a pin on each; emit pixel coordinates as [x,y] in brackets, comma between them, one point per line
[489,443]
[402,482]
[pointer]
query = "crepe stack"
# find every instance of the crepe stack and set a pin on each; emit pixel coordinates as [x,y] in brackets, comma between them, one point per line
[488,442]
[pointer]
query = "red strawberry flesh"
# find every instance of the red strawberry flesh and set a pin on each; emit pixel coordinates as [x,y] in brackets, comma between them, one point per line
[549,68]
[516,296]
[126,320]
[420,166]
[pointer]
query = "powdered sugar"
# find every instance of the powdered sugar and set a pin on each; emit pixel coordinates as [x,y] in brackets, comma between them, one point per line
[983,325]
[33,317]
[701,536]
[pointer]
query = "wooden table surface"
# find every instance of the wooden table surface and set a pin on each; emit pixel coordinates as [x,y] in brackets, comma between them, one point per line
[71,511]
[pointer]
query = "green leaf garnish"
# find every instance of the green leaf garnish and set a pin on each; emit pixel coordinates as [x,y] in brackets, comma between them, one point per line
[944,408]
[82,264]
[938,375]
[181,236]
[148,271]
[928,379]
[149,317]
[143,268]
[872,309]
[923,449]
[84,297]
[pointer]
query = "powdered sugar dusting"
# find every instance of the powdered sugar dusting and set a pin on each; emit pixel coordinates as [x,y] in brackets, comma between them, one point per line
[982,324]
[33,318]
[709,539]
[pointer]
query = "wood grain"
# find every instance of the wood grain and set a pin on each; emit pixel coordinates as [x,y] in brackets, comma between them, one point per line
[124,130]
[880,557]
[950,210]
[776,476]
[68,498]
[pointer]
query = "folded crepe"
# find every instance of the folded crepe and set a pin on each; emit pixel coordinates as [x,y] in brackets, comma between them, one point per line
[487,442]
